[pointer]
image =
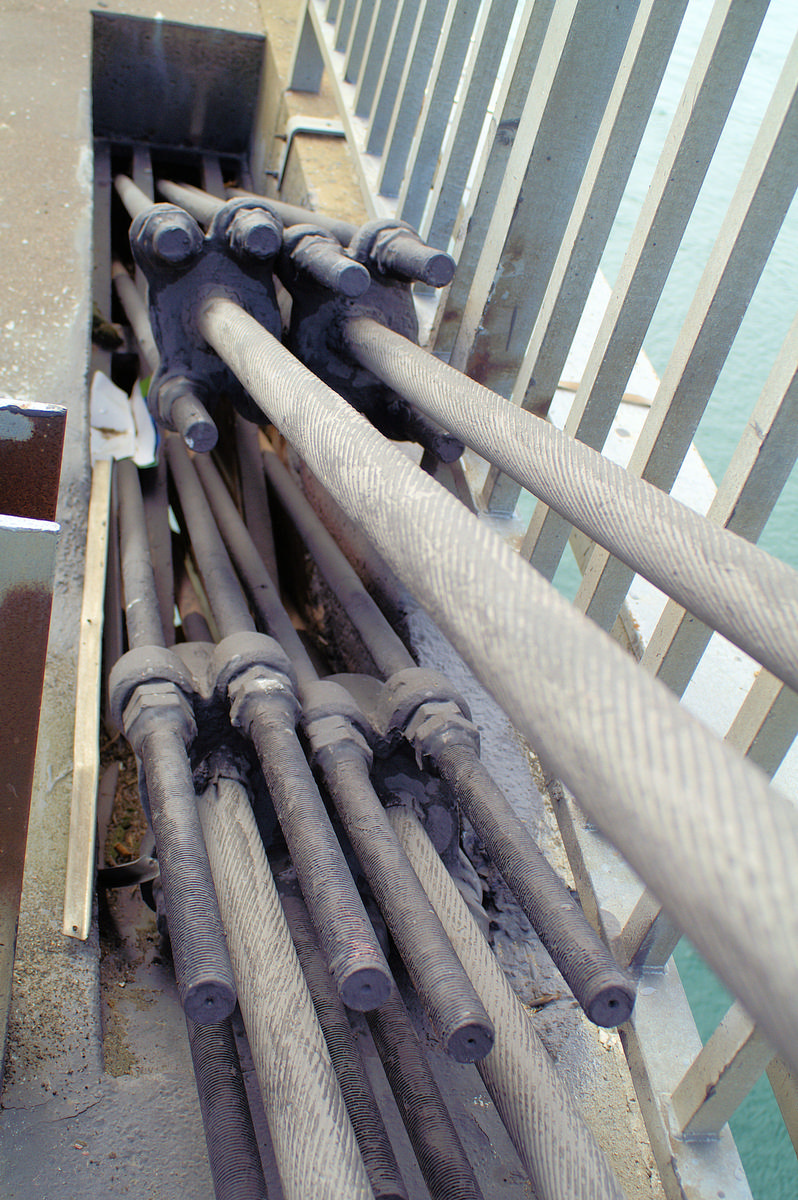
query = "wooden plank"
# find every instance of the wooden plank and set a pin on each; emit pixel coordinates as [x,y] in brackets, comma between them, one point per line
[706,99]
[83,816]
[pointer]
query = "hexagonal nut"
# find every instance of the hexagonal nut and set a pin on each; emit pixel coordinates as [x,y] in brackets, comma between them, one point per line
[407,690]
[436,725]
[254,685]
[329,733]
[154,704]
[145,664]
[325,698]
[240,651]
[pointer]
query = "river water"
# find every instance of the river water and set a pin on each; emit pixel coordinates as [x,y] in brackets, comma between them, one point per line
[761,1137]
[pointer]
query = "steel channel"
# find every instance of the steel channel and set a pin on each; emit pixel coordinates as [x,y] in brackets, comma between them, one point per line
[27,566]
[31,442]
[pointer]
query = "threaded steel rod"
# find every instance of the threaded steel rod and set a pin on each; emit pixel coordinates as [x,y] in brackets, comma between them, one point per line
[447,1172]
[732,586]
[254,500]
[230,1136]
[435,971]
[554,1143]
[446,992]
[134,199]
[385,647]
[249,564]
[350,946]
[202,966]
[188,414]
[202,205]
[314,1143]
[204,975]
[349,942]
[292,214]
[695,820]
[230,609]
[602,989]
[142,612]
[136,313]
[372,1137]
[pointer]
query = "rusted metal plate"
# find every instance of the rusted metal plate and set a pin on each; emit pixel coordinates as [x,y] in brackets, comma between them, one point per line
[31,439]
[27,561]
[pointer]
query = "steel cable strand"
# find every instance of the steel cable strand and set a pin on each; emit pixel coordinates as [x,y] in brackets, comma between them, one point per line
[437,974]
[603,991]
[586,963]
[268,718]
[447,1172]
[232,1145]
[728,583]
[696,821]
[372,1137]
[314,1143]
[554,1142]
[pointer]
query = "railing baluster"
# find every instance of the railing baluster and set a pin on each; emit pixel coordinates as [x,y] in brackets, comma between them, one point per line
[361,25]
[391,74]
[755,215]
[753,482]
[575,74]
[765,726]
[618,139]
[721,1075]
[410,95]
[307,64]
[707,97]
[444,78]
[461,139]
[508,104]
[343,23]
[375,54]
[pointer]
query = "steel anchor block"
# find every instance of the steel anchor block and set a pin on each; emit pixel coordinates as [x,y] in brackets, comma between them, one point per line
[318,320]
[233,259]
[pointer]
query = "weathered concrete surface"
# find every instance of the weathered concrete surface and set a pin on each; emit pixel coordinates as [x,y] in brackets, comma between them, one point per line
[54,1057]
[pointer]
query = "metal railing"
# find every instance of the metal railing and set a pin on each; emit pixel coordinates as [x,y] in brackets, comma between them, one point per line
[507,133]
